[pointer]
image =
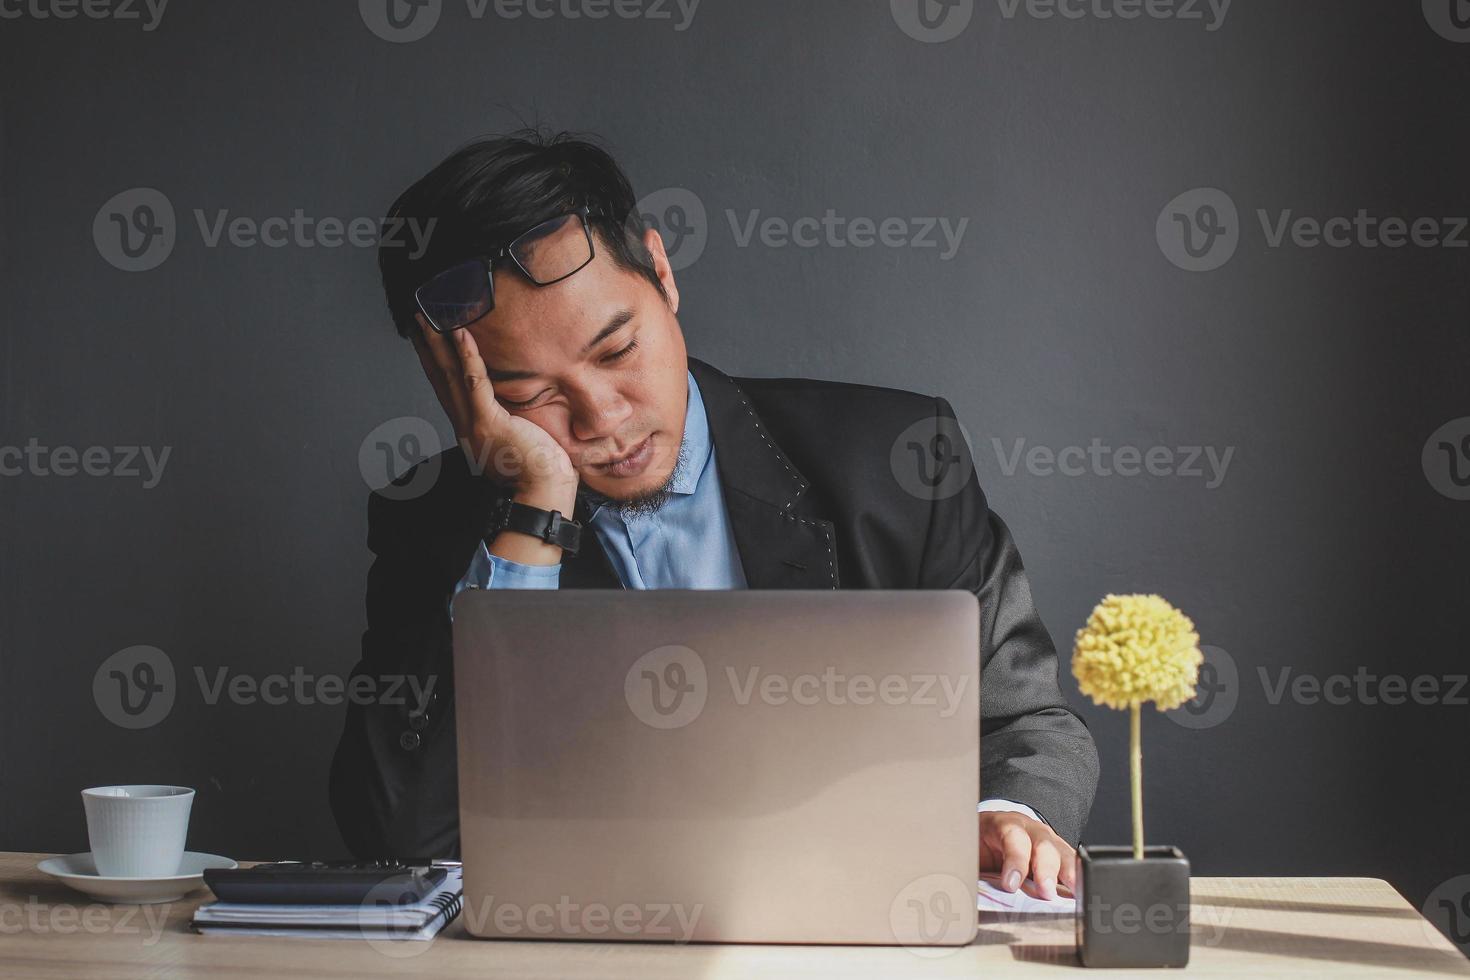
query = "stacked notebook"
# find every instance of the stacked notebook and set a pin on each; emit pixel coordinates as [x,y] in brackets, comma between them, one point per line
[422,920]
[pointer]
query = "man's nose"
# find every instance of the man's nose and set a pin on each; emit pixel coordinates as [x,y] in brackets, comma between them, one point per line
[599,414]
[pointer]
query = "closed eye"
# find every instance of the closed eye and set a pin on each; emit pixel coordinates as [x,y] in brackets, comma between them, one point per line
[520,405]
[618,355]
[612,358]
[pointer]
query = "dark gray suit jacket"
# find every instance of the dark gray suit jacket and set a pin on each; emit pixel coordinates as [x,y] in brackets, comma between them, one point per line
[813,503]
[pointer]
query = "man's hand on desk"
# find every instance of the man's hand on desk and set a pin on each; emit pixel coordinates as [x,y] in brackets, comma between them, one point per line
[1021,847]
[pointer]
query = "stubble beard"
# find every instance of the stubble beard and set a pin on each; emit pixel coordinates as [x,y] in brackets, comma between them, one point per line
[643,504]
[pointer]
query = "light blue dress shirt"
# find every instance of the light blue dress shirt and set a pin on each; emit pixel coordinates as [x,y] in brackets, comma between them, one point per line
[686,544]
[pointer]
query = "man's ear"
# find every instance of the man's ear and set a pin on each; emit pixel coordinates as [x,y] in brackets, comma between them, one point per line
[654,242]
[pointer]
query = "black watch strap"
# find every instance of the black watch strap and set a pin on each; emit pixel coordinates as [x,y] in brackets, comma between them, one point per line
[547,525]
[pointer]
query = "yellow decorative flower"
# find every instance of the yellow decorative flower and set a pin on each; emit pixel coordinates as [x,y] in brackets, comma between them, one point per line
[1137,648]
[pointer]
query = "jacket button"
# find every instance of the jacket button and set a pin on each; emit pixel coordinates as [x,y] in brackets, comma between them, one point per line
[409,741]
[418,721]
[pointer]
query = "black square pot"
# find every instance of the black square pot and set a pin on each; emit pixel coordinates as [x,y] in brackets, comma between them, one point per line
[1132,912]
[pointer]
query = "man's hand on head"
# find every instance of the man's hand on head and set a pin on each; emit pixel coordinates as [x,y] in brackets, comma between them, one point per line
[1027,854]
[504,446]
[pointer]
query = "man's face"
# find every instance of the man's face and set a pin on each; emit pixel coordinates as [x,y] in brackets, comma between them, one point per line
[598,361]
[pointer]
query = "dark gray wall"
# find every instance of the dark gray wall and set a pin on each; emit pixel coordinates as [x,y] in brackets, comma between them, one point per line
[1060,319]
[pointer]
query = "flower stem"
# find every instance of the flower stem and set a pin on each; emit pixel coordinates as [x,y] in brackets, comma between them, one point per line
[1135,765]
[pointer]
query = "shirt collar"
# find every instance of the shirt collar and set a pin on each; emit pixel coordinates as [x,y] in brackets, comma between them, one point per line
[696,447]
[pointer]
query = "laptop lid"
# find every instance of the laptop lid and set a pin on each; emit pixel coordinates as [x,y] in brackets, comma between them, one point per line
[733,766]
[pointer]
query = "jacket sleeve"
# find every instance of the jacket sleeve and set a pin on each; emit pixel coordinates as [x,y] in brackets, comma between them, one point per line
[394,787]
[1033,748]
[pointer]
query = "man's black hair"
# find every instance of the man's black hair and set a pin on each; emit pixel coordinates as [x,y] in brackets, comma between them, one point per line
[494,188]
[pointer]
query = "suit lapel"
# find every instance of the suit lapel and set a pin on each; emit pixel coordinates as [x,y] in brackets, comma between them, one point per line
[779,550]
[781,545]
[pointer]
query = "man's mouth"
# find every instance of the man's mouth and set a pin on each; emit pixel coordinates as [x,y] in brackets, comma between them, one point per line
[631,463]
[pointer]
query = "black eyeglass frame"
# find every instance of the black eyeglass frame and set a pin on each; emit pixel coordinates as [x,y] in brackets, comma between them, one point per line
[584,213]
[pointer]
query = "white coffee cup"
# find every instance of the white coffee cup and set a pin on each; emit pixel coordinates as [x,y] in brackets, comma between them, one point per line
[137,831]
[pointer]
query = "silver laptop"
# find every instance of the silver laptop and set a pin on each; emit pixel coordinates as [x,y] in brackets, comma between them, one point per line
[719,766]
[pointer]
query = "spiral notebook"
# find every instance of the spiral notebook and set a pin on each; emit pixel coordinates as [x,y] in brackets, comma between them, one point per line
[421,920]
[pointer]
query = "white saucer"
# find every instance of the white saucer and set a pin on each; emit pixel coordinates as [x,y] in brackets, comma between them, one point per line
[78,871]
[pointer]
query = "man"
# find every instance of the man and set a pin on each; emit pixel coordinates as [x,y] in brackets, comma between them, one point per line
[545,316]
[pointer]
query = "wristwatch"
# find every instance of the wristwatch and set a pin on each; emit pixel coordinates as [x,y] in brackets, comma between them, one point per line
[548,525]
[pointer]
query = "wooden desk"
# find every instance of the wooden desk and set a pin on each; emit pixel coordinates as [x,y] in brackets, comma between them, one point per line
[1261,927]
